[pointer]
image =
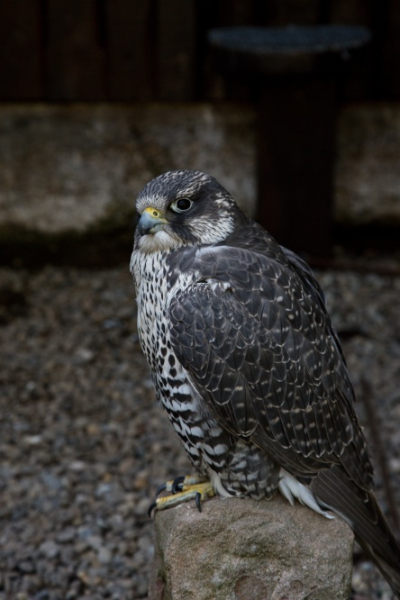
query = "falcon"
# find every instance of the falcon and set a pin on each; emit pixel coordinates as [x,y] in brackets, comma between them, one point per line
[246,362]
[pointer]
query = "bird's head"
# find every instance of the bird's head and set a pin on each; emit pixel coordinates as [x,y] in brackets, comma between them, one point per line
[182,208]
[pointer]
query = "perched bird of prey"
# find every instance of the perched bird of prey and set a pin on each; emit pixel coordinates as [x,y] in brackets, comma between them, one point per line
[246,362]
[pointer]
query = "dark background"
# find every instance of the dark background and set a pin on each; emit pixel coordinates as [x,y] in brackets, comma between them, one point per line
[156,50]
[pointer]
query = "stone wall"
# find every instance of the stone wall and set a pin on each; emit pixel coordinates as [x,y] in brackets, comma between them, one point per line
[368,164]
[77,167]
[73,167]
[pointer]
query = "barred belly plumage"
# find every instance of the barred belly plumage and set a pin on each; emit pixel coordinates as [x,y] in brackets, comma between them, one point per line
[241,468]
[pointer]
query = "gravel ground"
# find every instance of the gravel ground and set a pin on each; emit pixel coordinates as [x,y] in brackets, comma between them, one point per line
[83,444]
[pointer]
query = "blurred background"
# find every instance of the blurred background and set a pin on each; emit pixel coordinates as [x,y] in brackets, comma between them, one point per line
[97,97]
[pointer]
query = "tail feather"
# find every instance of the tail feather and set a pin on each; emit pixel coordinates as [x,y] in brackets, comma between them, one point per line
[391,575]
[359,508]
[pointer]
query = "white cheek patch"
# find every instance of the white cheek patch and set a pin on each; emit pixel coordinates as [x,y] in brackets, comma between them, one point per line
[155,242]
[209,231]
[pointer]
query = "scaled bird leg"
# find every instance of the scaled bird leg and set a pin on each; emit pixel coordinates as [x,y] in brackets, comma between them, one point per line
[181,490]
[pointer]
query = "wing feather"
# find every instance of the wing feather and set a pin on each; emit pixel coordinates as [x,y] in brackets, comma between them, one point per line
[260,349]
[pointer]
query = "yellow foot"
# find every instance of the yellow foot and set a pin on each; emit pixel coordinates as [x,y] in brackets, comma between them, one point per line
[180,490]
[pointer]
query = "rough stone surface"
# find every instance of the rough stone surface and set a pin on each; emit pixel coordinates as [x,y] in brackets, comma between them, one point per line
[367,173]
[241,549]
[75,167]
[71,167]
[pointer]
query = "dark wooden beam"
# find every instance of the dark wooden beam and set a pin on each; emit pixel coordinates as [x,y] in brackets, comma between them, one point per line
[130,49]
[176,50]
[21,76]
[75,65]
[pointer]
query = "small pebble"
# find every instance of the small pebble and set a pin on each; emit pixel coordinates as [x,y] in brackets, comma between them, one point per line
[66,535]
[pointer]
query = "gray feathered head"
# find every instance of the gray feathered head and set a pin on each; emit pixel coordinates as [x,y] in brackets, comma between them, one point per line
[183,208]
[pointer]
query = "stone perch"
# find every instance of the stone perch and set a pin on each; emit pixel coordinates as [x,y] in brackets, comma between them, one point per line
[247,550]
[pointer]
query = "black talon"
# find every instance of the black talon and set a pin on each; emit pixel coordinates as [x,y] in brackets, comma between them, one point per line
[177,485]
[198,501]
[160,489]
[151,508]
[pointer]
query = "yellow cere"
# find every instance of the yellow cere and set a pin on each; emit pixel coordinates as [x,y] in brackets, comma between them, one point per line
[153,212]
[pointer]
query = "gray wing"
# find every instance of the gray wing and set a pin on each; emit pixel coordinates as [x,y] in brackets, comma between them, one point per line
[254,335]
[259,347]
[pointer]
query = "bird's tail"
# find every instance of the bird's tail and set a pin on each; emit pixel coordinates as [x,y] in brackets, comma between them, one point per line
[360,510]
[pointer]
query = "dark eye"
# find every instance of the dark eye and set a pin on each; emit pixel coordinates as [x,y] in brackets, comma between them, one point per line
[181,205]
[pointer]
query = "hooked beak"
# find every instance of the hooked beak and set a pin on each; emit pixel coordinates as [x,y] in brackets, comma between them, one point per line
[151,221]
